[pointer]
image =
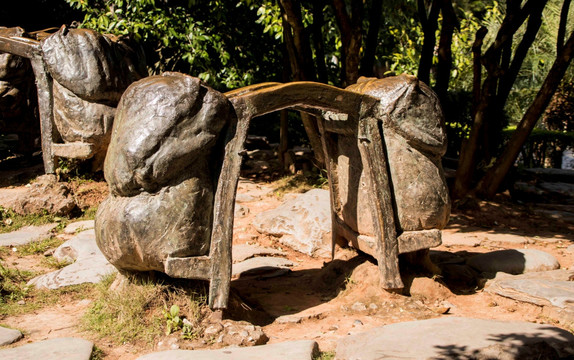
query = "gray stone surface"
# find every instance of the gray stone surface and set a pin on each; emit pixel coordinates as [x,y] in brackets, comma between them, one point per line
[292,350]
[303,223]
[259,265]
[542,288]
[53,349]
[514,261]
[89,265]
[8,336]
[457,238]
[456,338]
[243,252]
[78,226]
[26,235]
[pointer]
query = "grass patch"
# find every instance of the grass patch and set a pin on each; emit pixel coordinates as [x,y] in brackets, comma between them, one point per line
[136,311]
[13,284]
[88,214]
[300,183]
[325,355]
[38,247]
[12,221]
[14,289]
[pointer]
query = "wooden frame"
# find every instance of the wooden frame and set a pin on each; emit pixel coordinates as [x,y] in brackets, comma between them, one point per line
[342,112]
[51,148]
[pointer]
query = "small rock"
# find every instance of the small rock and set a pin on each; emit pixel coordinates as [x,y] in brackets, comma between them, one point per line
[358,306]
[212,330]
[79,226]
[241,211]
[21,302]
[9,336]
[288,319]
[357,323]
[373,306]
[514,261]
[241,333]
[244,251]
[260,265]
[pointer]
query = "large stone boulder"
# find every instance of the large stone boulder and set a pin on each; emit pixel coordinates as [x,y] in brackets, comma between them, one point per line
[161,167]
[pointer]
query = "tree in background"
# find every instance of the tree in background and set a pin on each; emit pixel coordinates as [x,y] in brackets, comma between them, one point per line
[488,62]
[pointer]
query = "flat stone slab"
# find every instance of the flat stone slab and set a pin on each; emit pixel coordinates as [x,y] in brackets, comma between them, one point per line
[53,349]
[553,289]
[8,336]
[78,226]
[292,350]
[457,238]
[80,246]
[454,338]
[90,264]
[26,235]
[260,265]
[245,251]
[514,261]
[303,223]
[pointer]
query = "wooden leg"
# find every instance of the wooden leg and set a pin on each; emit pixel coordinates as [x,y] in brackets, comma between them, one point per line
[45,106]
[374,157]
[222,233]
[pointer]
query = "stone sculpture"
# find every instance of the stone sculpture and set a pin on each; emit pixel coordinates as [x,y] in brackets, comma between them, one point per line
[80,75]
[17,100]
[174,158]
[162,172]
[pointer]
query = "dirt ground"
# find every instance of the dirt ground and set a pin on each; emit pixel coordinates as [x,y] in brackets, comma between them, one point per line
[325,300]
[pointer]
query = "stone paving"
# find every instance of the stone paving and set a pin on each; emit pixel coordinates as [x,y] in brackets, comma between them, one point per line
[538,281]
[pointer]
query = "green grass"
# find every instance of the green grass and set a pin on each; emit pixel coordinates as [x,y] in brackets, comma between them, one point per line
[12,221]
[38,247]
[299,183]
[325,355]
[135,311]
[13,284]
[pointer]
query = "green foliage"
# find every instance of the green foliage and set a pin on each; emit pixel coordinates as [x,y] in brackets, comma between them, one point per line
[218,43]
[172,319]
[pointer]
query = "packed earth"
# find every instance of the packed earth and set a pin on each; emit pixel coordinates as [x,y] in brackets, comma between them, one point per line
[503,287]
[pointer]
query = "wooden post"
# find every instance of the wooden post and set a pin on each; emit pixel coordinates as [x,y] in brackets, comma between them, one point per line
[374,157]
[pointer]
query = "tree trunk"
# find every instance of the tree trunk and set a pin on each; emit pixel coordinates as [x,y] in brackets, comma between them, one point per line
[299,50]
[488,104]
[492,180]
[318,21]
[351,38]
[429,24]
[368,61]
[449,23]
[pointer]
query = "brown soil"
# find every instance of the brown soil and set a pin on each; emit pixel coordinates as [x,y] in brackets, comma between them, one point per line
[324,300]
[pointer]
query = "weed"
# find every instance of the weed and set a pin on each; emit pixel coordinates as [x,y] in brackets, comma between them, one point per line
[172,319]
[88,214]
[325,355]
[13,284]
[97,353]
